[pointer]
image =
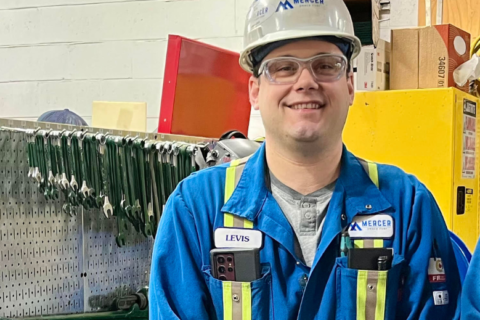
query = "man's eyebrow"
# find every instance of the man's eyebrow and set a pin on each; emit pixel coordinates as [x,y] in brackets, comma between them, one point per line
[289,55]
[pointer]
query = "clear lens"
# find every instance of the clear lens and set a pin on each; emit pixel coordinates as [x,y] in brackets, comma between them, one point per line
[325,68]
[283,70]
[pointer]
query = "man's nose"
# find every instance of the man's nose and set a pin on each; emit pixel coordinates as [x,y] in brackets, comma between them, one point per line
[306,81]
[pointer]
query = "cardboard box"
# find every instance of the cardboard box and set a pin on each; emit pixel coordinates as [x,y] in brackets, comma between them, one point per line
[424,58]
[373,67]
[383,65]
[404,59]
[130,116]
[442,49]
[365,75]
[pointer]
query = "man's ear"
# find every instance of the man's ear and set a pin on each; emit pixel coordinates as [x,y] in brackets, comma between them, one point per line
[254,90]
[350,86]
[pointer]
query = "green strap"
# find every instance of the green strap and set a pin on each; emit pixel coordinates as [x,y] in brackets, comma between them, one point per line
[167,170]
[160,177]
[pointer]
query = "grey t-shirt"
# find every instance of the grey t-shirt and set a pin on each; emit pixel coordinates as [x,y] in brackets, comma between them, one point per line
[306,214]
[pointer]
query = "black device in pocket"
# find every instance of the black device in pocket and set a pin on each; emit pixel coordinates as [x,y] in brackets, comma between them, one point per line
[370,258]
[235,264]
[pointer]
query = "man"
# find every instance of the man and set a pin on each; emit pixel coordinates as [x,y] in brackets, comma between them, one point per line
[470,305]
[308,197]
[62,116]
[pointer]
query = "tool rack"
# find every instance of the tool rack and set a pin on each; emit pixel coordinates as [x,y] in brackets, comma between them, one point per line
[53,262]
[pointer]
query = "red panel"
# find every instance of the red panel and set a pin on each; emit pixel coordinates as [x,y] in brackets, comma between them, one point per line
[210,92]
[168,92]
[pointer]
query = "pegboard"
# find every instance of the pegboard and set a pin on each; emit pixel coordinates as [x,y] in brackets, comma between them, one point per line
[40,247]
[53,263]
[111,271]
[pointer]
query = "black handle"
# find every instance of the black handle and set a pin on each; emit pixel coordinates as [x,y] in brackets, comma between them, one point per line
[232,134]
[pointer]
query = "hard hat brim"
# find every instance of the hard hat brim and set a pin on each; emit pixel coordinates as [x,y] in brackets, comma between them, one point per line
[246,63]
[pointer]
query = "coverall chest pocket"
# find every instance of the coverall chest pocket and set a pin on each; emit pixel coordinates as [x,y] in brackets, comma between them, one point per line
[367,294]
[235,300]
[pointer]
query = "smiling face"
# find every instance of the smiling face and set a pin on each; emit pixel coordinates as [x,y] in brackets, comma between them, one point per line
[307,111]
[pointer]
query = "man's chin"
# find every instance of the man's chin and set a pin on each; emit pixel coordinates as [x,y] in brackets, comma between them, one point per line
[305,137]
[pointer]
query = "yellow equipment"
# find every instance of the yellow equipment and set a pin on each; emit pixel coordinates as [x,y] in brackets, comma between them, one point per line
[431,134]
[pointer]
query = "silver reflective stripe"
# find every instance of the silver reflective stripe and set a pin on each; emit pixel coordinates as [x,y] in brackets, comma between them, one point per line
[371,294]
[237,301]
[238,173]
[364,164]
[368,243]
[371,301]
[238,222]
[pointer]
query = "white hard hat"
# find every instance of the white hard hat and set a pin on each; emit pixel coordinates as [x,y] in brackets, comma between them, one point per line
[270,21]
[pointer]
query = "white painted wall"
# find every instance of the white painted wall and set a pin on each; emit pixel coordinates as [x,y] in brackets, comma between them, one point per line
[58,54]
[403,14]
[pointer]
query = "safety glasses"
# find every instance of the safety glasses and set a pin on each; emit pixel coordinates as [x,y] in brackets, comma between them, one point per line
[287,70]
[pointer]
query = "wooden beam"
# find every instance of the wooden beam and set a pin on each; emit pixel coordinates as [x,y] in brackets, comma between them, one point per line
[463,14]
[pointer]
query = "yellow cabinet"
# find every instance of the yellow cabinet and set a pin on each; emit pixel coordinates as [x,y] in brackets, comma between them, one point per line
[431,134]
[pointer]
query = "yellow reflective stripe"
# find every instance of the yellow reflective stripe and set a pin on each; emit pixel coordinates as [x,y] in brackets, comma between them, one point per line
[246,301]
[378,243]
[228,220]
[229,188]
[235,163]
[229,183]
[358,243]
[247,224]
[373,172]
[361,294]
[381,295]
[227,300]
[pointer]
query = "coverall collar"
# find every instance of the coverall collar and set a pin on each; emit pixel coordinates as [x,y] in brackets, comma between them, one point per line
[361,196]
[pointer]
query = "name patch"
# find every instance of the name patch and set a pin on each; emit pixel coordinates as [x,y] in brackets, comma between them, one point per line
[378,226]
[238,238]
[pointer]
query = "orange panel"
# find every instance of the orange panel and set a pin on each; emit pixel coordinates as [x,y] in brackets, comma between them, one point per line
[205,90]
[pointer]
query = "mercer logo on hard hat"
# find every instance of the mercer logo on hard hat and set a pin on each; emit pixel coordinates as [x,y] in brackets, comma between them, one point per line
[285,5]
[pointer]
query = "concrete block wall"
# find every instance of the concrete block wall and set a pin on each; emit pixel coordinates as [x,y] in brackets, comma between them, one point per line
[58,54]
[403,14]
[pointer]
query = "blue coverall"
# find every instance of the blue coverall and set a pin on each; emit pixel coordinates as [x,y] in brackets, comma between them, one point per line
[182,287]
[470,305]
